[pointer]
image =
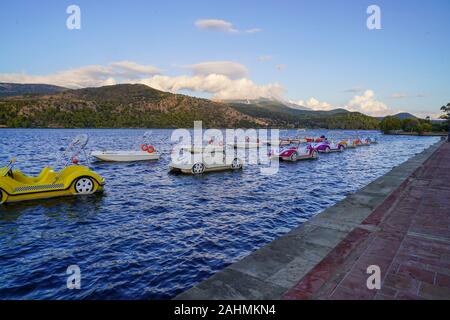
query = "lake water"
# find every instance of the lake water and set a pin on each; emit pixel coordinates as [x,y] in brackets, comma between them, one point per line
[152,235]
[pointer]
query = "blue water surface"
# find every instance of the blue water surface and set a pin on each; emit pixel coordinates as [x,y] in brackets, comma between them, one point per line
[152,235]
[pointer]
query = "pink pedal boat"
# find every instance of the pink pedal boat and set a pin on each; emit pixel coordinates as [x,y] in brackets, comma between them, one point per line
[294,152]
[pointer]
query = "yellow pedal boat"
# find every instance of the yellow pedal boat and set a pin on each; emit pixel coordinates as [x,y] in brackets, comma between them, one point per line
[72,180]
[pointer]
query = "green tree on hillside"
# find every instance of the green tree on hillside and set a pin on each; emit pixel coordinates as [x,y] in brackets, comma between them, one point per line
[446,115]
[390,123]
[423,127]
[410,124]
[446,110]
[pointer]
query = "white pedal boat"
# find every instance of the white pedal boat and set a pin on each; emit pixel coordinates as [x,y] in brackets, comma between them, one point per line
[200,149]
[248,145]
[125,155]
[200,161]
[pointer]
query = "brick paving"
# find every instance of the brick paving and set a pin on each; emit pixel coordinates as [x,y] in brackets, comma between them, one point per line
[407,236]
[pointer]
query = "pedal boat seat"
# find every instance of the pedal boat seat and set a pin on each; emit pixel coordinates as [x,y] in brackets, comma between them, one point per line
[47,175]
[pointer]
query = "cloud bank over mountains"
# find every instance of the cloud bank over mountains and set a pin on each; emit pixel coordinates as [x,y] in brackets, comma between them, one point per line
[365,103]
[88,76]
[222,80]
[232,70]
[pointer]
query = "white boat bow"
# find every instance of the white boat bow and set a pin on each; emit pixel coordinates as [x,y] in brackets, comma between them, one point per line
[125,155]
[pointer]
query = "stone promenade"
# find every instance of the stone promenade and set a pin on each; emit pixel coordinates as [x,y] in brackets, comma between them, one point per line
[399,222]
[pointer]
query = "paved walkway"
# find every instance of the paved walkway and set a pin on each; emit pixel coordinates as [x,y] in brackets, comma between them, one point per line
[407,236]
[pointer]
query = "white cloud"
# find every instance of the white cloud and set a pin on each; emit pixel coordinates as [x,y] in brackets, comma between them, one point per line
[230,69]
[221,26]
[72,78]
[215,25]
[402,95]
[132,69]
[220,79]
[398,95]
[366,103]
[265,58]
[253,30]
[354,90]
[314,104]
[87,76]
[219,86]
[424,114]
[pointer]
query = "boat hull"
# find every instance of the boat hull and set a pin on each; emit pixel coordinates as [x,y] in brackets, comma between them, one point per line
[247,145]
[188,170]
[125,156]
[300,157]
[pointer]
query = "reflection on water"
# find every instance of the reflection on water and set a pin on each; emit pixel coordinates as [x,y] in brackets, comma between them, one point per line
[72,207]
[152,234]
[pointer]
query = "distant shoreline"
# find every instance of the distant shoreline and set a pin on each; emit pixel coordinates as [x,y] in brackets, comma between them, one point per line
[173,128]
[425,134]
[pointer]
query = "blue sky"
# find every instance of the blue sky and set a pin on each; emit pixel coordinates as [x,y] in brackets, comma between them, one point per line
[317,53]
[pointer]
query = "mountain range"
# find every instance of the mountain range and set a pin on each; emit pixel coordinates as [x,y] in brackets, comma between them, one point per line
[18,89]
[405,115]
[140,106]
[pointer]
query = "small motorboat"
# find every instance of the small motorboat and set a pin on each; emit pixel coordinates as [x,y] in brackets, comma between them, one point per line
[73,179]
[147,152]
[294,152]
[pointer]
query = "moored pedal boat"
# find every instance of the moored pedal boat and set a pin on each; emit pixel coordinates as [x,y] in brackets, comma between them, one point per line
[294,152]
[204,160]
[361,142]
[73,179]
[147,152]
[348,143]
[328,146]
[125,156]
[249,143]
[372,140]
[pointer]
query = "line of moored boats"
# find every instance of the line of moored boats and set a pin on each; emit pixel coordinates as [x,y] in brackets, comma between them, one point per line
[77,179]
